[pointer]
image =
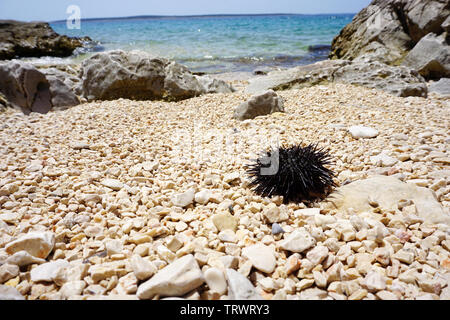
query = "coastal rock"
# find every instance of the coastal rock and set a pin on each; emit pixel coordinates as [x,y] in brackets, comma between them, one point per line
[399,81]
[239,287]
[387,29]
[262,257]
[176,279]
[141,76]
[441,87]
[10,293]
[388,192]
[38,244]
[34,39]
[25,87]
[62,88]
[259,105]
[30,90]
[430,57]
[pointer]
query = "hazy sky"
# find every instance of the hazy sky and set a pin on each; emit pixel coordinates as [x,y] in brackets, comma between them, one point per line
[48,10]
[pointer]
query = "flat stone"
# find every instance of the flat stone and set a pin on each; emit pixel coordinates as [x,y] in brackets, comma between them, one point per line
[112,184]
[361,132]
[387,192]
[47,271]
[176,279]
[239,287]
[183,199]
[142,268]
[386,295]
[215,279]
[38,244]
[224,220]
[23,258]
[262,257]
[10,293]
[298,241]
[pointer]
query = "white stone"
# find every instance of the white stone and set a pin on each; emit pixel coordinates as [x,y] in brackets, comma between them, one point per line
[203,196]
[38,244]
[383,160]
[183,199]
[23,258]
[317,254]
[374,281]
[142,268]
[10,293]
[262,257]
[298,241]
[215,279]
[47,271]
[176,279]
[227,235]
[363,132]
[112,184]
[8,271]
[72,288]
[114,246]
[239,287]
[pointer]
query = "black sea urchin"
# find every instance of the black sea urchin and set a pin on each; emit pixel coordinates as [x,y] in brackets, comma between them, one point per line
[296,173]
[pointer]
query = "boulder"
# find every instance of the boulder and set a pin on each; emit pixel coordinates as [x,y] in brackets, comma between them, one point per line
[430,57]
[441,87]
[34,39]
[399,81]
[139,75]
[387,192]
[25,87]
[387,29]
[259,105]
[30,90]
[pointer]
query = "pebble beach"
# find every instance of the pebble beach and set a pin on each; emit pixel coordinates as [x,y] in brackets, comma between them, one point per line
[123,199]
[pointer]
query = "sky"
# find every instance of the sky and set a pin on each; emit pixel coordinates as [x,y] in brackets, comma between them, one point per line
[51,10]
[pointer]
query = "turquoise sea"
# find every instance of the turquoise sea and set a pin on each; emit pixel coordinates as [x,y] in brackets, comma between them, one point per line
[216,44]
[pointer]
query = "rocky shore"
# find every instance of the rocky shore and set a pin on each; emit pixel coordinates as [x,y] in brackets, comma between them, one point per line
[124,177]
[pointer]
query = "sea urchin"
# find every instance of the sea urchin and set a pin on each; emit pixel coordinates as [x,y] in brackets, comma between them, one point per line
[296,173]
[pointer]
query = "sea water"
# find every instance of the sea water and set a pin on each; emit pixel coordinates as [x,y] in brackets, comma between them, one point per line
[216,44]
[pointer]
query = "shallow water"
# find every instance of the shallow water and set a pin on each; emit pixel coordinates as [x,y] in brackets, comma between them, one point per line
[216,44]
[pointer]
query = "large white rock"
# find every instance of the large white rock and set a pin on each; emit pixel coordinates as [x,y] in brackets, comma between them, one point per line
[215,279]
[183,199]
[38,244]
[387,192]
[262,257]
[363,132]
[23,258]
[239,287]
[298,241]
[112,184]
[142,268]
[176,279]
[48,271]
[10,293]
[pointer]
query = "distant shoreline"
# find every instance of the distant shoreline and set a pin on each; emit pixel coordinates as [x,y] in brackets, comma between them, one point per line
[148,17]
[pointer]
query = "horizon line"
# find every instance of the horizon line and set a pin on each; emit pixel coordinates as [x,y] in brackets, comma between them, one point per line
[203,15]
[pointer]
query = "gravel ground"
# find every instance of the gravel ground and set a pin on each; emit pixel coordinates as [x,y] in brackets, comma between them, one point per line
[116,191]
